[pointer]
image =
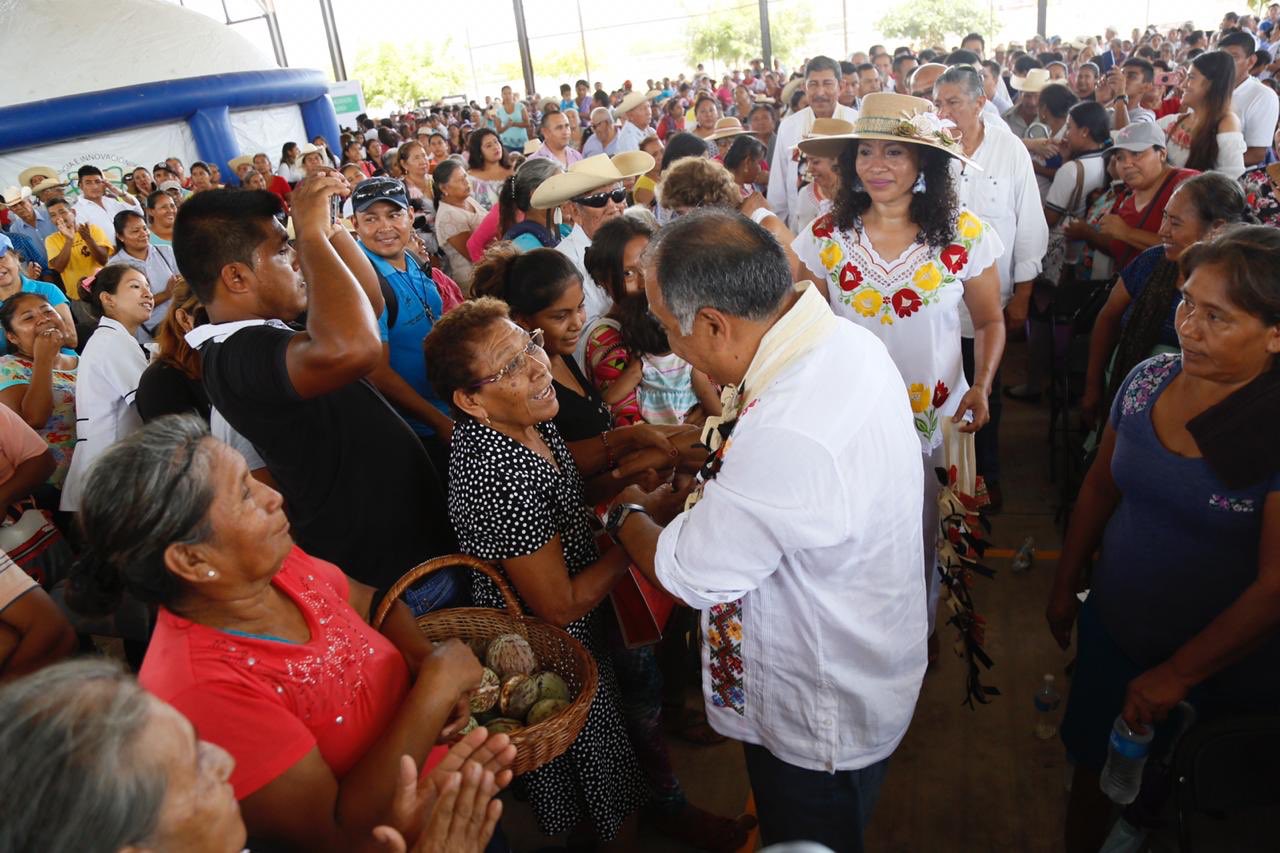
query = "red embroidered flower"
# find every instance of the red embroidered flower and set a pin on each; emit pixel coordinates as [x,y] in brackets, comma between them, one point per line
[822,226]
[850,278]
[954,257]
[940,394]
[906,302]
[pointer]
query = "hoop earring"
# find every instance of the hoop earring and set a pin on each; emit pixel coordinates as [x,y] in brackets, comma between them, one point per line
[920,187]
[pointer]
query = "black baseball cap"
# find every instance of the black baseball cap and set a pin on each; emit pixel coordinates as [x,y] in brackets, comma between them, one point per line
[373,190]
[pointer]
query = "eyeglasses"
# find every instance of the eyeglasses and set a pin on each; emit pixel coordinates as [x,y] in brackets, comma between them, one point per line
[599,200]
[516,364]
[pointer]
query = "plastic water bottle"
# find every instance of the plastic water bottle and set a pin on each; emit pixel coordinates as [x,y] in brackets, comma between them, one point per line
[1047,701]
[1126,756]
[1025,556]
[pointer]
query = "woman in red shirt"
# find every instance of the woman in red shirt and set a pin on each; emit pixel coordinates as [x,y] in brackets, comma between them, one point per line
[265,649]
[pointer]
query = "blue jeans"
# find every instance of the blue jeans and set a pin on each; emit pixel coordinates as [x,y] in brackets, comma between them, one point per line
[449,588]
[794,804]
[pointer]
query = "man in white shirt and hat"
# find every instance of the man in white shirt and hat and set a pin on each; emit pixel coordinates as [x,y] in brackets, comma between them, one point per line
[802,542]
[636,115]
[593,190]
[1005,195]
[788,173]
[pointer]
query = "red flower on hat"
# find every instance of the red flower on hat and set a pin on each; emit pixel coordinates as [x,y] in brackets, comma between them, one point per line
[954,257]
[940,394]
[850,278]
[906,302]
[821,227]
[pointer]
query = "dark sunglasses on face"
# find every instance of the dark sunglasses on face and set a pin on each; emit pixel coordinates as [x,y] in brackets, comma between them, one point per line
[599,200]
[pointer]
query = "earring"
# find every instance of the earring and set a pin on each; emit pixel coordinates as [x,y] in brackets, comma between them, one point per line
[920,187]
[212,573]
[558,217]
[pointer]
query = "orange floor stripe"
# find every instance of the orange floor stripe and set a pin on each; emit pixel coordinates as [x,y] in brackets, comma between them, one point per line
[750,809]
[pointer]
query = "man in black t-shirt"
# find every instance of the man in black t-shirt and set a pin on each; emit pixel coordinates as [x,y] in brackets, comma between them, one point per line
[359,487]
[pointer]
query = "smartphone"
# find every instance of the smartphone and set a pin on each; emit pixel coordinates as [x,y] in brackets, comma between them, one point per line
[1168,78]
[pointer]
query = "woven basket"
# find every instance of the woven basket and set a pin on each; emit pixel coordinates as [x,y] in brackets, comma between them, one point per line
[556,651]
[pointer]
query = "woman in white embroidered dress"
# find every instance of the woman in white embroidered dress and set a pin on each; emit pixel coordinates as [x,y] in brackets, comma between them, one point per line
[896,254]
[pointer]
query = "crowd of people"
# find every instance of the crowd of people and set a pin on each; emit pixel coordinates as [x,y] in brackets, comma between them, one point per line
[236,408]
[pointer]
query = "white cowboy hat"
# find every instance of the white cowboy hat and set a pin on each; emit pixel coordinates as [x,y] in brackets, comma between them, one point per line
[590,174]
[26,176]
[893,118]
[243,160]
[531,146]
[306,148]
[48,184]
[727,127]
[13,195]
[629,102]
[1035,81]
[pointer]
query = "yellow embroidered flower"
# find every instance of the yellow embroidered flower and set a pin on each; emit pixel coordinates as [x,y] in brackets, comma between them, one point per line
[831,256]
[919,395]
[735,631]
[968,225]
[927,277]
[713,636]
[886,319]
[866,302]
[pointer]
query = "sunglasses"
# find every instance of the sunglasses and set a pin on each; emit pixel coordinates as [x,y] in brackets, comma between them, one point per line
[599,200]
[516,364]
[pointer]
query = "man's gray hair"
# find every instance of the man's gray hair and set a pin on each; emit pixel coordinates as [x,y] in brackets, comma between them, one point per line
[965,76]
[712,258]
[600,114]
[145,493]
[70,736]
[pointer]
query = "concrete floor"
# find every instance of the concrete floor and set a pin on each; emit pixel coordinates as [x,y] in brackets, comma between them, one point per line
[962,780]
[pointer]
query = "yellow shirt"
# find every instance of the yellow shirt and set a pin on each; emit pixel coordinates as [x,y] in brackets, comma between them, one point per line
[81,263]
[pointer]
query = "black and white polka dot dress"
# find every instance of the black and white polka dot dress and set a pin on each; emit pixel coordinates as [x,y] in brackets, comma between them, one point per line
[507,501]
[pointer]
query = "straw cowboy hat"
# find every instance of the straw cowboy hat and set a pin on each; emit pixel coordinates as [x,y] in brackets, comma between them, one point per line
[306,148]
[893,118]
[237,162]
[531,146]
[27,176]
[829,127]
[629,102]
[49,184]
[727,127]
[13,195]
[1035,81]
[590,174]
[788,90]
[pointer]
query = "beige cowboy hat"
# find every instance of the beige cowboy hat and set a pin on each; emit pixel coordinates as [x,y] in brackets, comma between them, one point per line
[893,118]
[548,102]
[532,146]
[788,90]
[763,99]
[49,184]
[652,94]
[629,102]
[13,195]
[1035,81]
[727,127]
[306,148]
[27,176]
[590,174]
[829,127]
[243,160]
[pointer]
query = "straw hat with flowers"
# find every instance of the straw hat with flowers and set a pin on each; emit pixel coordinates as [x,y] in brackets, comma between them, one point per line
[892,118]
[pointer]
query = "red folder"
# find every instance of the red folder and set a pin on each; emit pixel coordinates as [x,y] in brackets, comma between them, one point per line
[642,609]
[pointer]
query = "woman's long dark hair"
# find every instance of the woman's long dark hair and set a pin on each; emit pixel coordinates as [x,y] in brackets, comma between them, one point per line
[934,210]
[603,258]
[1219,69]
[475,157]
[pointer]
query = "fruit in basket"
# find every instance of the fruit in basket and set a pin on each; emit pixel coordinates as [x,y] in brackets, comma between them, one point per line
[484,697]
[471,724]
[518,695]
[545,709]
[504,725]
[510,654]
[551,686]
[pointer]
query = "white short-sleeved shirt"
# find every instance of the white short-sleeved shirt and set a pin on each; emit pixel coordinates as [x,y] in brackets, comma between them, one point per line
[106,382]
[159,266]
[814,524]
[1064,184]
[104,215]
[1258,109]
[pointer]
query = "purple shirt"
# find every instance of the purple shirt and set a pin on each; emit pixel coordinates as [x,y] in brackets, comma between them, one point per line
[573,155]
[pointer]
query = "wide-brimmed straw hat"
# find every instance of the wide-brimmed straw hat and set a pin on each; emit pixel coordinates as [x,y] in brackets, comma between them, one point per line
[1035,81]
[893,118]
[306,148]
[26,176]
[590,174]
[243,160]
[629,102]
[727,127]
[531,146]
[49,184]
[13,195]
[788,90]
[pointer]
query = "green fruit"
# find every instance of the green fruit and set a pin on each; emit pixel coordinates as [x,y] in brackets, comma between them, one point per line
[545,710]
[551,686]
[504,725]
[484,697]
[510,654]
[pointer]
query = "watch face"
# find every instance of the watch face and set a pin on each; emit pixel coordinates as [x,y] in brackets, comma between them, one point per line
[614,517]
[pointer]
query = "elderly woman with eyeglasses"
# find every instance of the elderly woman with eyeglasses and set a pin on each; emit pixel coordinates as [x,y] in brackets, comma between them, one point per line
[267,650]
[516,494]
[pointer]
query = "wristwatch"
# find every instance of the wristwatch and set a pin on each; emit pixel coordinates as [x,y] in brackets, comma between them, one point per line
[618,515]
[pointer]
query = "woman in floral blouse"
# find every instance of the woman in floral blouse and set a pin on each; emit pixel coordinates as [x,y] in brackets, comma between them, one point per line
[896,254]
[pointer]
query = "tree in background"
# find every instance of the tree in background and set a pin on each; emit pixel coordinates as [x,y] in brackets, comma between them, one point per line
[402,74]
[729,34]
[929,23]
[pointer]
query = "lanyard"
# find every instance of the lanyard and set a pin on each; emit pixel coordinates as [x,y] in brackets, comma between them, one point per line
[422,300]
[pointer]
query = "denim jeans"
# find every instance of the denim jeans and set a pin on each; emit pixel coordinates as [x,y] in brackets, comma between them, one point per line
[449,588]
[794,804]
